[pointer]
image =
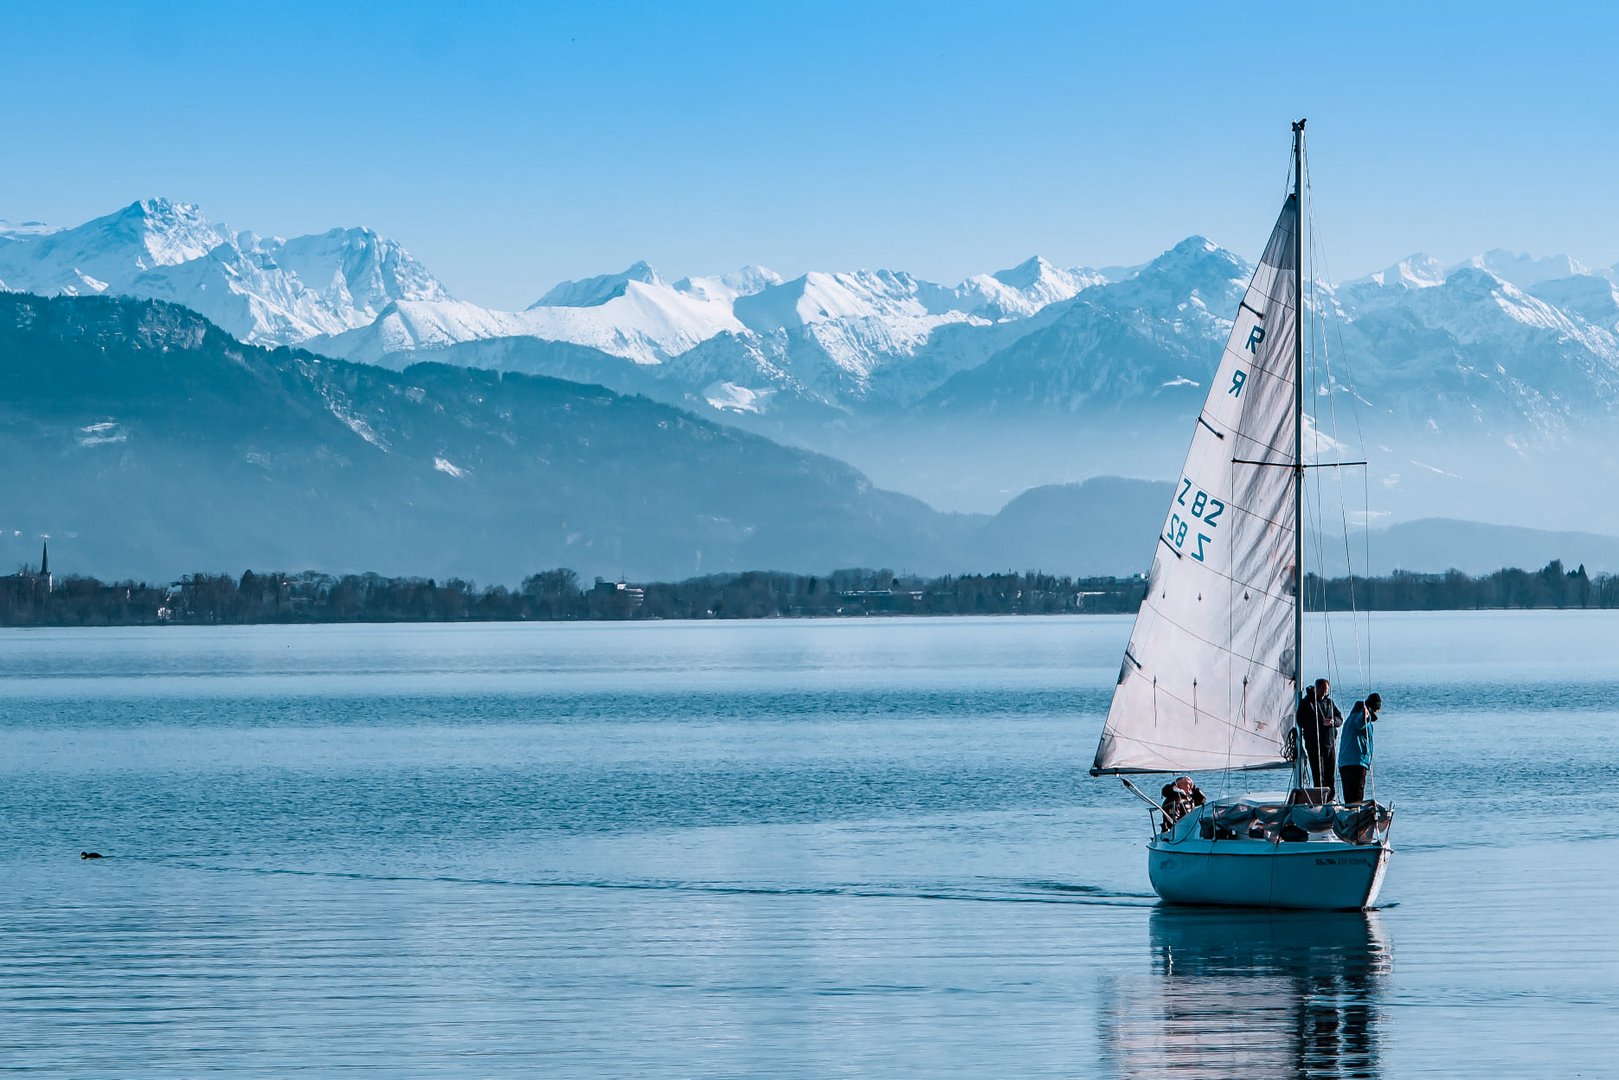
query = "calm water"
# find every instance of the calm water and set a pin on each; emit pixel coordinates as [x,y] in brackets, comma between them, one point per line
[782,848]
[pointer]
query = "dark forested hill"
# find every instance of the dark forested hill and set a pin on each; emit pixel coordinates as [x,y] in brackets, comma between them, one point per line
[144,440]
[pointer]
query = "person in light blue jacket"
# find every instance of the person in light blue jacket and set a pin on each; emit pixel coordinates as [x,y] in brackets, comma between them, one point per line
[1355,747]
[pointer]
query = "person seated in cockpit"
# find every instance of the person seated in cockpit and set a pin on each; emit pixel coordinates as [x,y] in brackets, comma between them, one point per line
[1180,798]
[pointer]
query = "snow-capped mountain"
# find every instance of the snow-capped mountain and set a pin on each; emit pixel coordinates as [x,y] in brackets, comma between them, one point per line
[1504,351]
[1594,299]
[828,334]
[1412,272]
[355,272]
[108,253]
[834,339]
[1026,288]
[1525,271]
[242,291]
[744,282]
[643,321]
[267,291]
[595,291]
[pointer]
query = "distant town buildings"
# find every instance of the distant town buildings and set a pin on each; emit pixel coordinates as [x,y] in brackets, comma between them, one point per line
[29,588]
[617,597]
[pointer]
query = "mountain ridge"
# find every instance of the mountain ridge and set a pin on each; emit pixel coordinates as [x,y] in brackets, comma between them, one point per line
[1501,365]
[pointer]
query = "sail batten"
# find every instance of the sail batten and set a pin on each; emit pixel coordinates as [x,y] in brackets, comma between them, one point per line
[1210,676]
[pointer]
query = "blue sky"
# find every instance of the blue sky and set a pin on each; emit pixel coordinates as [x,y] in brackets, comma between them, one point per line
[510,146]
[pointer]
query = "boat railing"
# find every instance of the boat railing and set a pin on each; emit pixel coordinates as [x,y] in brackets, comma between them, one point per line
[1156,814]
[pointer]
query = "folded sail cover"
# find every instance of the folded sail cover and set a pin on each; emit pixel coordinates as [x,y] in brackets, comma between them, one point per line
[1209,678]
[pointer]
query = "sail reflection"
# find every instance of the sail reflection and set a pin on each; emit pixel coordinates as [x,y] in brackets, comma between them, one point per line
[1257,995]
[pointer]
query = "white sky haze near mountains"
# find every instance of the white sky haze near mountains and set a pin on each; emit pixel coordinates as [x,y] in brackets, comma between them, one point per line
[513,146]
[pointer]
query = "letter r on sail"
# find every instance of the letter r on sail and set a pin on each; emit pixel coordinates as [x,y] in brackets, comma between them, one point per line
[1255,336]
[1237,379]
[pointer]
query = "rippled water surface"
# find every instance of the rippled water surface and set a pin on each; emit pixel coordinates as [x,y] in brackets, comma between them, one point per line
[789,848]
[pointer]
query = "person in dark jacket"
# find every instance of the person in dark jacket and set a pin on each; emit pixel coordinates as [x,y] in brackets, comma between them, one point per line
[1180,798]
[1319,720]
[1355,756]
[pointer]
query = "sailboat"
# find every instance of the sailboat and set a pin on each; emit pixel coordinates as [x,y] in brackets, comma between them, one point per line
[1211,676]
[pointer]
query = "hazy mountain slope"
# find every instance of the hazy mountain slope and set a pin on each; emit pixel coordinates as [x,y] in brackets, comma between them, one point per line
[1434,544]
[1105,525]
[147,442]
[1108,525]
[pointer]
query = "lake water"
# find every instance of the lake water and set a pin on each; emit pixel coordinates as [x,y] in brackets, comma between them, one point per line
[788,848]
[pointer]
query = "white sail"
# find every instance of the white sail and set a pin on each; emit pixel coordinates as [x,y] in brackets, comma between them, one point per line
[1209,680]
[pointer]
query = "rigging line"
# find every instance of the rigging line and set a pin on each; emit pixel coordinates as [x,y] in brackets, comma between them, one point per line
[1226,779]
[1251,363]
[1282,526]
[1144,740]
[1343,504]
[1366,535]
[1290,465]
[1228,648]
[1153,744]
[1253,438]
[1250,586]
[1363,659]
[1329,649]
[1321,374]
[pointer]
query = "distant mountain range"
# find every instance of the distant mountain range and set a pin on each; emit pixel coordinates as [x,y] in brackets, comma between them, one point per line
[145,441]
[1482,390]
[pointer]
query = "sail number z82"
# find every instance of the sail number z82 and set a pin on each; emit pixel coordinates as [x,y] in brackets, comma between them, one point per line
[1199,506]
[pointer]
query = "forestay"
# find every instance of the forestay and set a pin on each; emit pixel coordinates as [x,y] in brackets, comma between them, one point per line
[1209,678]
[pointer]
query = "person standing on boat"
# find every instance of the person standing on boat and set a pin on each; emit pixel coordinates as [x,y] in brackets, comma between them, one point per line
[1319,720]
[1355,755]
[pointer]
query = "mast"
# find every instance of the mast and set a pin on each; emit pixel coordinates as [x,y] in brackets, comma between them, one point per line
[1298,441]
[1209,679]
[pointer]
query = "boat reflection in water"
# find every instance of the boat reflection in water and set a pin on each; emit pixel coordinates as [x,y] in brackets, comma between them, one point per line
[1257,995]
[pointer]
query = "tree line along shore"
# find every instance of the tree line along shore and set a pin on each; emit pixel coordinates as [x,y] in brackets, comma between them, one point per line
[30,598]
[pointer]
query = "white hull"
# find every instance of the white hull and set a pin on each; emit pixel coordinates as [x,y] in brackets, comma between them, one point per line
[1320,875]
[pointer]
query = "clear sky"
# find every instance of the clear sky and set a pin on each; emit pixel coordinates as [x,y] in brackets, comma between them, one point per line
[512,145]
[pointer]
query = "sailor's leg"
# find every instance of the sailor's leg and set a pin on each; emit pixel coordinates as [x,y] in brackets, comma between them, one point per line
[1354,777]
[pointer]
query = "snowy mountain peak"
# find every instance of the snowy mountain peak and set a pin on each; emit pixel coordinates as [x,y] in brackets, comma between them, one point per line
[111,251]
[1026,273]
[171,232]
[1526,271]
[1024,289]
[1417,271]
[819,297]
[1195,269]
[746,281]
[266,291]
[595,291]
[1195,254]
[356,271]
[1589,296]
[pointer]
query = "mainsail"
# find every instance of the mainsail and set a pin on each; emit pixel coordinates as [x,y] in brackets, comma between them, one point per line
[1209,680]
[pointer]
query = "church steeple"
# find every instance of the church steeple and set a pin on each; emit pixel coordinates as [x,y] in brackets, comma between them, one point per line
[45,566]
